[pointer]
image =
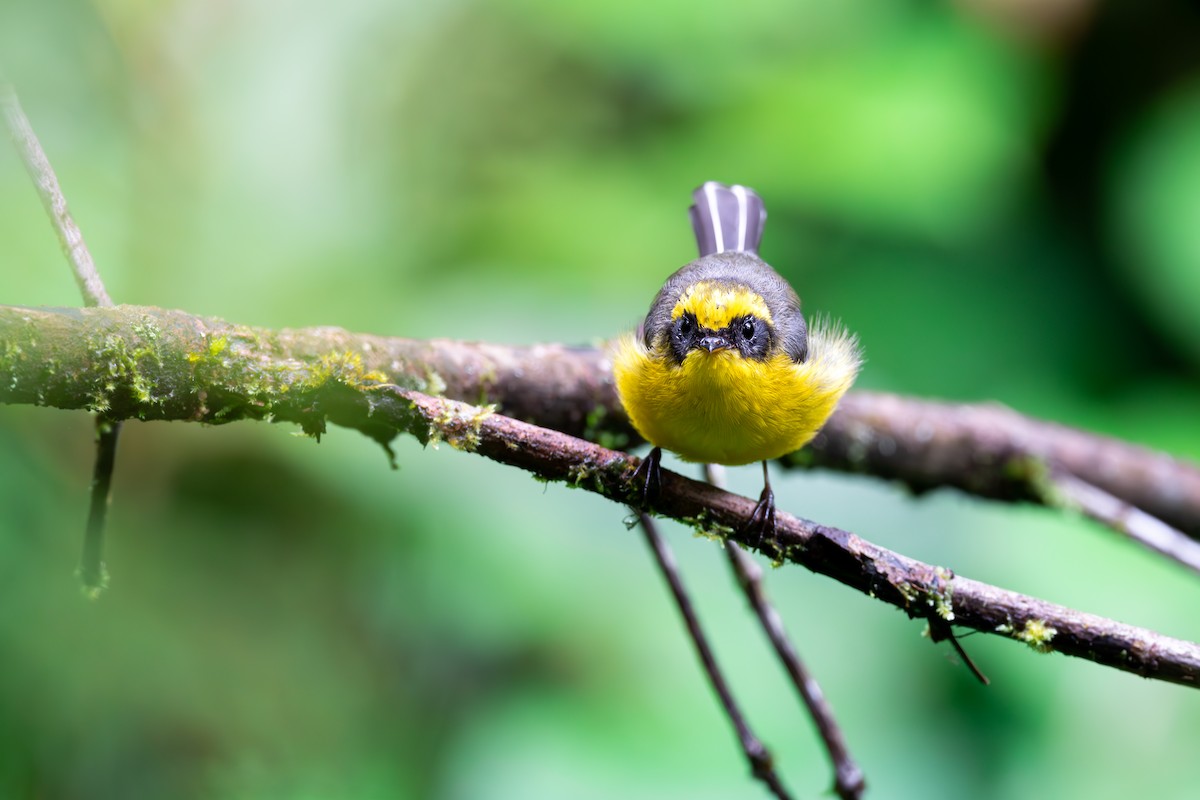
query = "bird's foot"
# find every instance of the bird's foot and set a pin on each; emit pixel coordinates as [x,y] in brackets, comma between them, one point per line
[760,528]
[647,479]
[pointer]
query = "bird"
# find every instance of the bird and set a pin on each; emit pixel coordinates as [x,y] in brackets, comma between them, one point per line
[724,368]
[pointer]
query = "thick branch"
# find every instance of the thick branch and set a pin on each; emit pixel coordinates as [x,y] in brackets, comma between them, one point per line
[135,362]
[994,452]
[151,363]
[147,363]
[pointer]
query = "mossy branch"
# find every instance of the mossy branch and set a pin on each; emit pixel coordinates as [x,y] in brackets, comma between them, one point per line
[146,363]
[134,362]
[920,590]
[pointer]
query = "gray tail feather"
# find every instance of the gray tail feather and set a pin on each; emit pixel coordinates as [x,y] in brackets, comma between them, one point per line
[727,218]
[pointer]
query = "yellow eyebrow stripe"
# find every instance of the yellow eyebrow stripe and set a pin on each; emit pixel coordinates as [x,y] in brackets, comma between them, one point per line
[715,305]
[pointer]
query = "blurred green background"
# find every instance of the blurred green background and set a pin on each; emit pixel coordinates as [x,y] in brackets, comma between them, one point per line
[1000,196]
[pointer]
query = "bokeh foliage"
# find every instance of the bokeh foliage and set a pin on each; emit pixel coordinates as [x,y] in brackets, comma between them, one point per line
[996,195]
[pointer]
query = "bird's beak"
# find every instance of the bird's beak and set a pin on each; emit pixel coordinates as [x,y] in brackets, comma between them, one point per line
[713,343]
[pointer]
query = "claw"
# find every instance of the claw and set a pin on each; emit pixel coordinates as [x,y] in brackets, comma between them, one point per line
[647,479]
[762,521]
[760,528]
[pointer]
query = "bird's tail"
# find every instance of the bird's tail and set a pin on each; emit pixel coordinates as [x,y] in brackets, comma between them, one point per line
[727,218]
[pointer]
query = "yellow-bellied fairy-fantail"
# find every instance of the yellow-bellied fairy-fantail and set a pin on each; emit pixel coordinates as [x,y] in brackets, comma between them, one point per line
[724,369]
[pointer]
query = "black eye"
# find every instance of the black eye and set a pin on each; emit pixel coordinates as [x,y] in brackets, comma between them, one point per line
[685,325]
[748,328]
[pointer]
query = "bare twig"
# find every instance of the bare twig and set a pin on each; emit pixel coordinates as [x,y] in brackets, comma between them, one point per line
[849,782]
[940,631]
[38,166]
[761,765]
[1067,491]
[70,237]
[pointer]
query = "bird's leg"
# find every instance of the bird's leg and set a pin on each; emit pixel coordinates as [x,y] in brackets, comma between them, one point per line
[647,479]
[762,521]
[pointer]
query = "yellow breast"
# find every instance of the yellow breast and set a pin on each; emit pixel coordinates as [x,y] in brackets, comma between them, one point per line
[722,408]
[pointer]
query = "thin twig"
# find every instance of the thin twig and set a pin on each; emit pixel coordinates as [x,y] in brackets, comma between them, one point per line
[756,753]
[849,781]
[38,166]
[92,572]
[939,631]
[70,237]
[1068,491]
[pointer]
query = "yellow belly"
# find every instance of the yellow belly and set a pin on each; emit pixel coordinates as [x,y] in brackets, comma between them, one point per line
[722,408]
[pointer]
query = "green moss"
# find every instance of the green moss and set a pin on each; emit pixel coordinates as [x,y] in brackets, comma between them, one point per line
[148,332]
[705,526]
[240,381]
[215,348]
[345,368]
[909,592]
[459,425]
[15,352]
[117,362]
[596,477]
[578,473]
[787,554]
[938,594]
[11,356]
[1037,634]
[941,597]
